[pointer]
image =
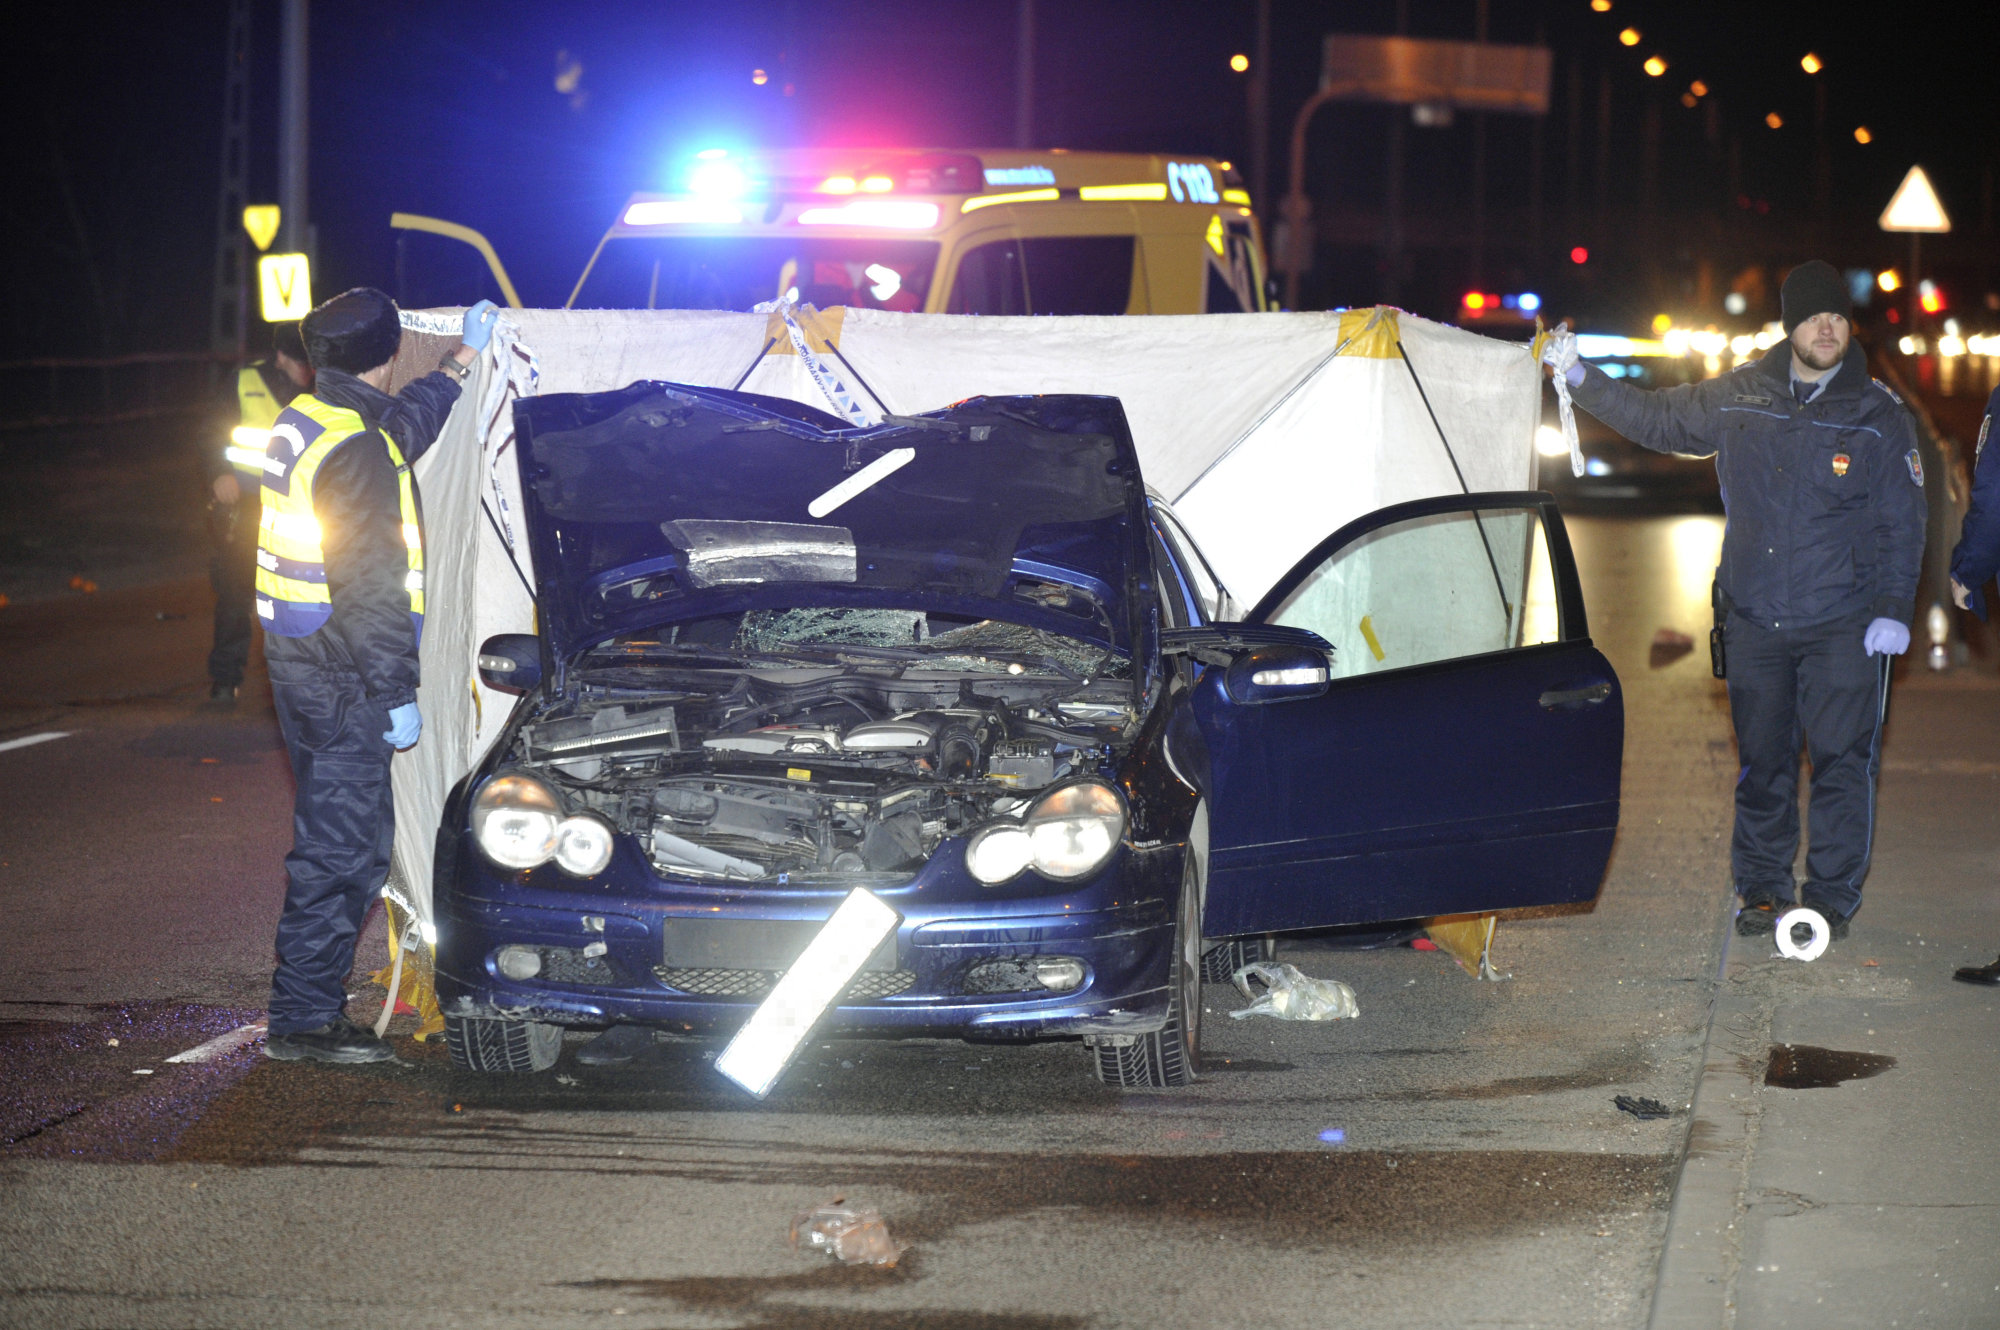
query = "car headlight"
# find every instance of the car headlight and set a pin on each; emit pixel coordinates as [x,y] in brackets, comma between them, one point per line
[515,820]
[583,845]
[1068,833]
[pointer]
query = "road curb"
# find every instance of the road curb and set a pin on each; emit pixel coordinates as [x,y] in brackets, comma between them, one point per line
[1695,1288]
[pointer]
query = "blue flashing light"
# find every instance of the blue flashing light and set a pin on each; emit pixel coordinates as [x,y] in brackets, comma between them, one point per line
[1596,466]
[1528,302]
[712,154]
[716,178]
[1020,175]
[1510,302]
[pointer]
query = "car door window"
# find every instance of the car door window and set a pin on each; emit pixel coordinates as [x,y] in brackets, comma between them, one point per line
[1079,274]
[1428,589]
[990,281]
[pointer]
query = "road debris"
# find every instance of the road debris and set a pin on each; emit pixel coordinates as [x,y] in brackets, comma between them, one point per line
[849,1235]
[1292,996]
[1646,1110]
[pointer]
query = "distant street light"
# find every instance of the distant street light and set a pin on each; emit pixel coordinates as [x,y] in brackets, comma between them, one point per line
[1655,66]
[759,77]
[1861,134]
[1240,63]
[1629,37]
[1774,120]
[1811,64]
[1698,88]
[1601,6]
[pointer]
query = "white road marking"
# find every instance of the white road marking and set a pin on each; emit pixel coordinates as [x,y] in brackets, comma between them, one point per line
[868,476]
[222,1043]
[26,740]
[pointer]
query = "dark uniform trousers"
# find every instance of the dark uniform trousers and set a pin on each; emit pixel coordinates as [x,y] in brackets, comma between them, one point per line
[343,827]
[1817,684]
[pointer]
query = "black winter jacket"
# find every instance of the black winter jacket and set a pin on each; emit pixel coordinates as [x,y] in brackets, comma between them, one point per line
[367,562]
[1825,501]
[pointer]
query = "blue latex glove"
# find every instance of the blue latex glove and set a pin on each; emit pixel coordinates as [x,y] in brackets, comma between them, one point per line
[477,330]
[406,723]
[1574,374]
[1886,637]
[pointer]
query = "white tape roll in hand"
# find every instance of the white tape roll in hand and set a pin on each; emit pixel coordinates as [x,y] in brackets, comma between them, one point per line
[1559,354]
[1815,946]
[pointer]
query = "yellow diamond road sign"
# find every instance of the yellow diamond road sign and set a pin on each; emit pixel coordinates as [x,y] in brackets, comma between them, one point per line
[261,221]
[286,286]
[1915,206]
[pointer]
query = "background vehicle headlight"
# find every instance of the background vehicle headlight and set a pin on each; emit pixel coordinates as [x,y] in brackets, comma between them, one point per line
[583,845]
[999,852]
[514,821]
[1073,830]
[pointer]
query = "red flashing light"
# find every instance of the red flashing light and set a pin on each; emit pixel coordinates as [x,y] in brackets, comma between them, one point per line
[1475,301]
[1579,255]
[1931,300]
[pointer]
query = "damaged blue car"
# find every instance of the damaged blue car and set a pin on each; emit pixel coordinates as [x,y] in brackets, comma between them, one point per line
[965,660]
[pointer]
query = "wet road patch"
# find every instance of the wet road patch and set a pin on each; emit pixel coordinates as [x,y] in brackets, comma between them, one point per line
[102,1089]
[1806,1067]
[736,1296]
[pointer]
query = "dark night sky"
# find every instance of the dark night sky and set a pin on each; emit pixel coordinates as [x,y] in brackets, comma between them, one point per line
[452,109]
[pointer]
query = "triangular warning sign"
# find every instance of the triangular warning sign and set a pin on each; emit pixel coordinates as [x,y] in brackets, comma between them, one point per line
[1916,206]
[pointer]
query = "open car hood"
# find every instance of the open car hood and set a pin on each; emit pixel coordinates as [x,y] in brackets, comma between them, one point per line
[660,502]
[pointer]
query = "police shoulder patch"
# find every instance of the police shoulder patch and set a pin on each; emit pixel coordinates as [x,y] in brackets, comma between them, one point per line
[1916,465]
[1887,389]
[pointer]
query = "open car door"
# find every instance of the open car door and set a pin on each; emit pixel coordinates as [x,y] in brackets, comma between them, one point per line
[1462,755]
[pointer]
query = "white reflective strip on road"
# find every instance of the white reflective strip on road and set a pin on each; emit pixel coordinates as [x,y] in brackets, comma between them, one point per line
[222,1043]
[34,739]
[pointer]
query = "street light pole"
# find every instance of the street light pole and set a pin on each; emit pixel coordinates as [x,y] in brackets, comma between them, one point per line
[292,121]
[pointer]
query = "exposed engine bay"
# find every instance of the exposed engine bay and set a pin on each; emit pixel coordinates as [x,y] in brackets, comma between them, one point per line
[805,772]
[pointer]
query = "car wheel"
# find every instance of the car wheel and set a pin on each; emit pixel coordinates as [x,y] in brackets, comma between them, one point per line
[1171,1055]
[477,1043]
[1221,961]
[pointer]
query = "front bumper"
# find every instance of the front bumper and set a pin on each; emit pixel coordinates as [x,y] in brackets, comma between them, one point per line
[605,949]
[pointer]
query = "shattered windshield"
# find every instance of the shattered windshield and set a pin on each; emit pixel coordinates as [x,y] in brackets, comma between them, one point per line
[914,638]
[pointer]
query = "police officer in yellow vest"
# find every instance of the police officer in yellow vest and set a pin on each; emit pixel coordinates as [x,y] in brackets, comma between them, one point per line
[237,481]
[340,592]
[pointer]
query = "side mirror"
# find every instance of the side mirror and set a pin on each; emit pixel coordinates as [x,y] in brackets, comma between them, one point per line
[511,661]
[1279,673]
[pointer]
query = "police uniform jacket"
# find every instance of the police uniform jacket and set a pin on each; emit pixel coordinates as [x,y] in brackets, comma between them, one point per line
[1825,499]
[1977,557]
[355,497]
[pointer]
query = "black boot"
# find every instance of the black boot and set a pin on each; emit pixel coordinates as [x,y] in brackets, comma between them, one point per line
[1980,974]
[339,1040]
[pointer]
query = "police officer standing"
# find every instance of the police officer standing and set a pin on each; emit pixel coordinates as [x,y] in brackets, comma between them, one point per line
[1824,492]
[1973,565]
[263,389]
[340,591]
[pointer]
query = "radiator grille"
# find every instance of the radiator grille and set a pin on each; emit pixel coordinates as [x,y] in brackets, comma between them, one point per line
[868,986]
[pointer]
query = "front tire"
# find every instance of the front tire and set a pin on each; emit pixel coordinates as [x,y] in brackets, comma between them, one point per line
[479,1043]
[1171,1055]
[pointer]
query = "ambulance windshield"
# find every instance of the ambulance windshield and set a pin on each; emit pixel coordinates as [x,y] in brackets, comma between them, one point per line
[737,272]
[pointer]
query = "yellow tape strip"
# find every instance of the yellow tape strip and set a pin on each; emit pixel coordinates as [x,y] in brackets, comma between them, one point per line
[1368,635]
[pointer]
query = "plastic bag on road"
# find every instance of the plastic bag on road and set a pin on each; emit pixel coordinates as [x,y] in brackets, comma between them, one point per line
[849,1235]
[1292,996]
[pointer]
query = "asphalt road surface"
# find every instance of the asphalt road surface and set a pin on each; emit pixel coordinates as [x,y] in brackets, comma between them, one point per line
[1453,1157]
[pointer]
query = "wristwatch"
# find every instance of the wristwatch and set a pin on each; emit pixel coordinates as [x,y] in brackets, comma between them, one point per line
[451,366]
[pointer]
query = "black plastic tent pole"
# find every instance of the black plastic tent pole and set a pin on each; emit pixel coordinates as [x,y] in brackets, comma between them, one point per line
[1506,610]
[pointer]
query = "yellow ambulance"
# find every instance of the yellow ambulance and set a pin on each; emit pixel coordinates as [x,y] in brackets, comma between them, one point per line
[941,232]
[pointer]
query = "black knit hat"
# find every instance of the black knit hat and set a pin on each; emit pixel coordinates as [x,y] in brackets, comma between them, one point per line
[355,331]
[286,341]
[1814,287]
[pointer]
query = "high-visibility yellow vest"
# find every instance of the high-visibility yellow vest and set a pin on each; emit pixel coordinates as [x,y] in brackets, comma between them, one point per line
[257,412]
[292,598]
